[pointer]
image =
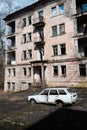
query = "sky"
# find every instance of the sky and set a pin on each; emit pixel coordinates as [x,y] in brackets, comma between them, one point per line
[24,3]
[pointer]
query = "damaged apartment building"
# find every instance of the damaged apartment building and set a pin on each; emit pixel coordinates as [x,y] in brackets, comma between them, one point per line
[47,45]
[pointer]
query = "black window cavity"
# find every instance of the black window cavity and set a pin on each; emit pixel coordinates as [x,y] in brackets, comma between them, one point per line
[82,69]
[63,49]
[55,70]
[29,20]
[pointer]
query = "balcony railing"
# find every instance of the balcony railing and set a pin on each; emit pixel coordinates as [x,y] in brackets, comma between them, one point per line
[9,62]
[39,21]
[39,40]
[82,29]
[12,47]
[10,32]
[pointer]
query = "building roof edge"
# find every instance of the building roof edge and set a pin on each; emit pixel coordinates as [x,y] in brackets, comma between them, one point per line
[28,8]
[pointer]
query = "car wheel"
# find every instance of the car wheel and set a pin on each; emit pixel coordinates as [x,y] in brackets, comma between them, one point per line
[32,101]
[59,104]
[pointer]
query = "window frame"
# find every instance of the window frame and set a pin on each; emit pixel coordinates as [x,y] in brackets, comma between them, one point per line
[63,49]
[54,31]
[14,71]
[24,55]
[8,85]
[30,20]
[24,37]
[54,90]
[62,29]
[29,71]
[63,70]
[13,86]
[55,70]
[30,54]
[30,36]
[24,22]
[9,72]
[55,50]
[54,11]
[60,10]
[62,92]
[24,71]
[82,70]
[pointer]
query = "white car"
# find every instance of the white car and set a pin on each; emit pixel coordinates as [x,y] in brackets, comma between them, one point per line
[58,96]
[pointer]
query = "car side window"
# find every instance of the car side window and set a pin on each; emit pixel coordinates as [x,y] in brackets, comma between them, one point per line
[53,92]
[45,92]
[62,92]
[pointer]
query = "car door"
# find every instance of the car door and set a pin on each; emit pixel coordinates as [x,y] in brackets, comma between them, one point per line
[52,96]
[63,96]
[43,96]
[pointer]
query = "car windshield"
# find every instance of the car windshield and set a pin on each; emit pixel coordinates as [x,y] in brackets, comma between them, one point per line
[70,90]
[45,92]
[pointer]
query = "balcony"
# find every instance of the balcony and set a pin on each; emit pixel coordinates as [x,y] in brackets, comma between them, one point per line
[81,27]
[10,48]
[9,62]
[10,29]
[39,21]
[82,48]
[39,41]
[11,44]
[11,59]
[81,6]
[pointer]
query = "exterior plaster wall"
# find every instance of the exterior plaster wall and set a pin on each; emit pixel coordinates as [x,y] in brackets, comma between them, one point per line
[72,66]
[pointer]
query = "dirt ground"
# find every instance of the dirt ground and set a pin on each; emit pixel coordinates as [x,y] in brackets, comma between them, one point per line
[17,114]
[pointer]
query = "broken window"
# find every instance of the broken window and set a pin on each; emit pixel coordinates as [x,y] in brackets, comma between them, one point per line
[13,70]
[62,28]
[24,36]
[13,86]
[24,55]
[82,69]
[62,92]
[24,71]
[24,86]
[30,53]
[40,14]
[29,71]
[28,37]
[53,92]
[63,49]
[54,31]
[24,22]
[9,72]
[54,11]
[29,20]
[8,85]
[63,70]
[61,9]
[55,70]
[45,92]
[29,34]
[55,50]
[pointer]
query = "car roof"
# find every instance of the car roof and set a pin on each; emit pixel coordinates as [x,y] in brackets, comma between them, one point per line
[56,88]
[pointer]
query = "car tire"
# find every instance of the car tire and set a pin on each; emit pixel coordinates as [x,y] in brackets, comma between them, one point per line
[59,104]
[32,101]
